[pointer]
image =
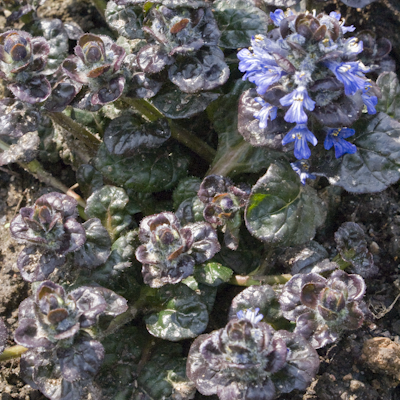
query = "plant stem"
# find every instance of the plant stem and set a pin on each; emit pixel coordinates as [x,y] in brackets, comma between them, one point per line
[249,280]
[100,7]
[77,130]
[179,133]
[342,263]
[13,352]
[192,142]
[37,170]
[131,313]
[227,164]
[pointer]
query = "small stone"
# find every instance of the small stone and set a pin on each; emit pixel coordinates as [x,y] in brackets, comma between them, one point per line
[356,385]
[382,355]
[348,377]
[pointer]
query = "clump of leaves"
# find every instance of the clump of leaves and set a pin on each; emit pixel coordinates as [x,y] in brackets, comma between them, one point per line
[223,202]
[324,308]
[51,231]
[169,252]
[248,359]
[56,327]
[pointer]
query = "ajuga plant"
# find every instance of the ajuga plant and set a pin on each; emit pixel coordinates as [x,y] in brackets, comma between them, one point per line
[210,141]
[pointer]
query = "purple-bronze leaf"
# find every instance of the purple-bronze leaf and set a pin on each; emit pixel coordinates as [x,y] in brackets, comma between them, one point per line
[109,93]
[27,334]
[34,90]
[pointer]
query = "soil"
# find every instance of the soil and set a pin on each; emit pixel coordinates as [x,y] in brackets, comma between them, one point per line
[363,365]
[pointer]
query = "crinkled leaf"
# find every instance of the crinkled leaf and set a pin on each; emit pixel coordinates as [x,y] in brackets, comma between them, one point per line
[262,297]
[25,150]
[97,247]
[164,377]
[282,211]
[238,21]
[129,134]
[357,3]
[231,147]
[82,360]
[89,179]
[176,104]
[212,273]
[183,314]
[54,32]
[109,205]
[3,335]
[122,354]
[17,117]
[375,165]
[390,89]
[352,245]
[206,70]
[186,189]
[149,172]
[127,20]
[41,370]
[281,3]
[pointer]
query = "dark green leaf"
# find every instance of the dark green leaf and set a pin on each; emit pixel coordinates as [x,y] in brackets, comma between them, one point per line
[164,376]
[89,179]
[262,297]
[234,155]
[212,274]
[375,165]
[390,89]
[186,189]
[183,314]
[149,172]
[129,135]
[126,19]
[281,211]
[97,247]
[176,104]
[238,21]
[109,205]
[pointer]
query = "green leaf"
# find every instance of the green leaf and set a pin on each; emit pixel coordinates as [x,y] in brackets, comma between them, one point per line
[234,155]
[154,171]
[164,376]
[175,104]
[186,189]
[281,211]
[89,179]
[212,274]
[262,297]
[238,21]
[109,205]
[390,88]
[375,165]
[184,315]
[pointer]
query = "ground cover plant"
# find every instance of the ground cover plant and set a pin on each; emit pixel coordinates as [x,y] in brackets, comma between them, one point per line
[211,143]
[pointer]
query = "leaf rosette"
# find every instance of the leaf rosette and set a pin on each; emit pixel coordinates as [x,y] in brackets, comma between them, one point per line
[22,58]
[248,359]
[169,252]
[51,231]
[324,308]
[96,63]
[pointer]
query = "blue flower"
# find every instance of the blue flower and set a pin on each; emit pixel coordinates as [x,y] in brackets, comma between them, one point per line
[277,16]
[345,29]
[297,100]
[300,134]
[250,315]
[267,111]
[352,47]
[302,169]
[350,74]
[259,67]
[369,101]
[335,137]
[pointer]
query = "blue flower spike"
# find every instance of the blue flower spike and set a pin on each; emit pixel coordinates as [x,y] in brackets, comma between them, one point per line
[300,135]
[267,112]
[251,315]
[297,100]
[335,137]
[369,100]
[302,168]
